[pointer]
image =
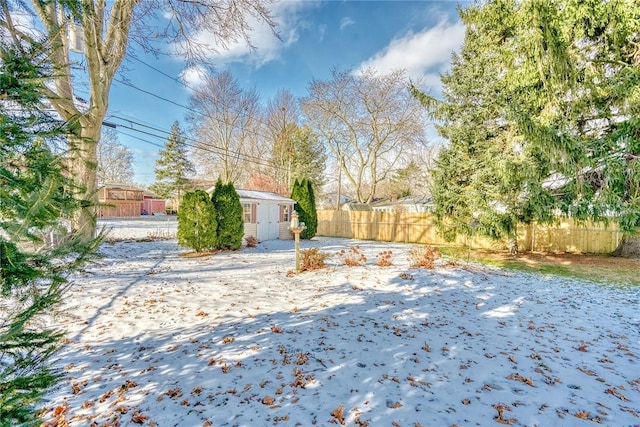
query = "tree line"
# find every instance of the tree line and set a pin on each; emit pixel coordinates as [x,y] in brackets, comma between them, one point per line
[366,129]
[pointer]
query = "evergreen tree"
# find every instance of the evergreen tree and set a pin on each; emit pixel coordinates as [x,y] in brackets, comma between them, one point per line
[488,179]
[173,167]
[298,153]
[197,223]
[309,156]
[229,215]
[577,81]
[312,214]
[36,202]
[304,196]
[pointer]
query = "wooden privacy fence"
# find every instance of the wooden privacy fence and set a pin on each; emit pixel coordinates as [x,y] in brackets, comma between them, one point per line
[420,228]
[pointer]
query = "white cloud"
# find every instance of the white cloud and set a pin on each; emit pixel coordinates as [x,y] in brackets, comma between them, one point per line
[193,76]
[424,54]
[345,22]
[267,46]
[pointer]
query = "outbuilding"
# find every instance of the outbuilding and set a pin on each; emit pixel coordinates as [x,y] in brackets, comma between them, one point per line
[266,215]
[119,200]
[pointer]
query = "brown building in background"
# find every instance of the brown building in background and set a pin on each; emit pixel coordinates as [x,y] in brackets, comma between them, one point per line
[121,200]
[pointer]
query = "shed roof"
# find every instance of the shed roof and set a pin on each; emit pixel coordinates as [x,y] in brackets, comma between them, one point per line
[263,195]
[259,195]
[408,200]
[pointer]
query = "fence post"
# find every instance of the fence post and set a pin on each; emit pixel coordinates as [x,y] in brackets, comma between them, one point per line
[533,236]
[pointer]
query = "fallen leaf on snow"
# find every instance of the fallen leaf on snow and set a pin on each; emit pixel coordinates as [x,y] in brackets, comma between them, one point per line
[268,400]
[338,415]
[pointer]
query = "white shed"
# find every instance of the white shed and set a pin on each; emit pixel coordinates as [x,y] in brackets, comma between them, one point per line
[267,215]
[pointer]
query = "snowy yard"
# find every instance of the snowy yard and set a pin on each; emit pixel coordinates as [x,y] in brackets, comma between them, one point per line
[232,340]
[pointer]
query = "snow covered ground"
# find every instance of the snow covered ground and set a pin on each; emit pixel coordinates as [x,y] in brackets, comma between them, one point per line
[231,339]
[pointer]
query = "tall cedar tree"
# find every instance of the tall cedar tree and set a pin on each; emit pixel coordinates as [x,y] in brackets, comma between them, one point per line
[173,167]
[229,215]
[578,81]
[197,223]
[488,180]
[35,203]
[305,199]
[570,71]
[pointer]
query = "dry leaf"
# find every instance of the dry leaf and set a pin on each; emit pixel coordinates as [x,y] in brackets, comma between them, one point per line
[583,415]
[174,393]
[338,414]
[138,417]
[615,392]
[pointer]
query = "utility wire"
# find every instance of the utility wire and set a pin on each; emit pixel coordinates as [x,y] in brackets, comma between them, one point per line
[197,144]
[174,79]
[218,119]
[204,147]
[164,74]
[157,96]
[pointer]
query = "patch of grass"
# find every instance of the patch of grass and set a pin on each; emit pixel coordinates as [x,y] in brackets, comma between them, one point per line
[590,267]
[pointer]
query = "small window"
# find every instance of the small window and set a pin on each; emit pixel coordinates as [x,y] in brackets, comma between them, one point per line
[246,212]
[285,213]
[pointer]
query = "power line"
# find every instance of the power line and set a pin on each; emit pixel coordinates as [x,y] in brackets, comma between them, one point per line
[164,74]
[174,79]
[204,147]
[218,119]
[157,96]
[197,144]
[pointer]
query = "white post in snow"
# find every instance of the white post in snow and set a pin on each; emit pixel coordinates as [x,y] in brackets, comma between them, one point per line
[296,228]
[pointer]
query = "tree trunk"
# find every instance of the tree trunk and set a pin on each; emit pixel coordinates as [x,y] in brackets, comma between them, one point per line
[629,247]
[83,168]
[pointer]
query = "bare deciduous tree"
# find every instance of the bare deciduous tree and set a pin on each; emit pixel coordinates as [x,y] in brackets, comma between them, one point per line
[224,119]
[108,29]
[115,160]
[368,122]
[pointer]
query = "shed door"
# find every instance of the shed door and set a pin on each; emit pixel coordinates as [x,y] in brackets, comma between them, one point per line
[268,215]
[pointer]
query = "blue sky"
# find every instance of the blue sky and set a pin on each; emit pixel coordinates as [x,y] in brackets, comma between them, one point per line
[315,38]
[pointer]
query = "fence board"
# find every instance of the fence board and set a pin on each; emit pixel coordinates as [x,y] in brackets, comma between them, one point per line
[420,228]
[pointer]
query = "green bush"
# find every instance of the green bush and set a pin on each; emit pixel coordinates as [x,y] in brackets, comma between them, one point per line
[197,223]
[305,199]
[229,216]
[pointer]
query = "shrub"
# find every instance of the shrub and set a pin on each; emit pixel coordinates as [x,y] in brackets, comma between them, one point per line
[352,257]
[229,215]
[197,222]
[383,259]
[251,241]
[313,259]
[423,256]
[305,199]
